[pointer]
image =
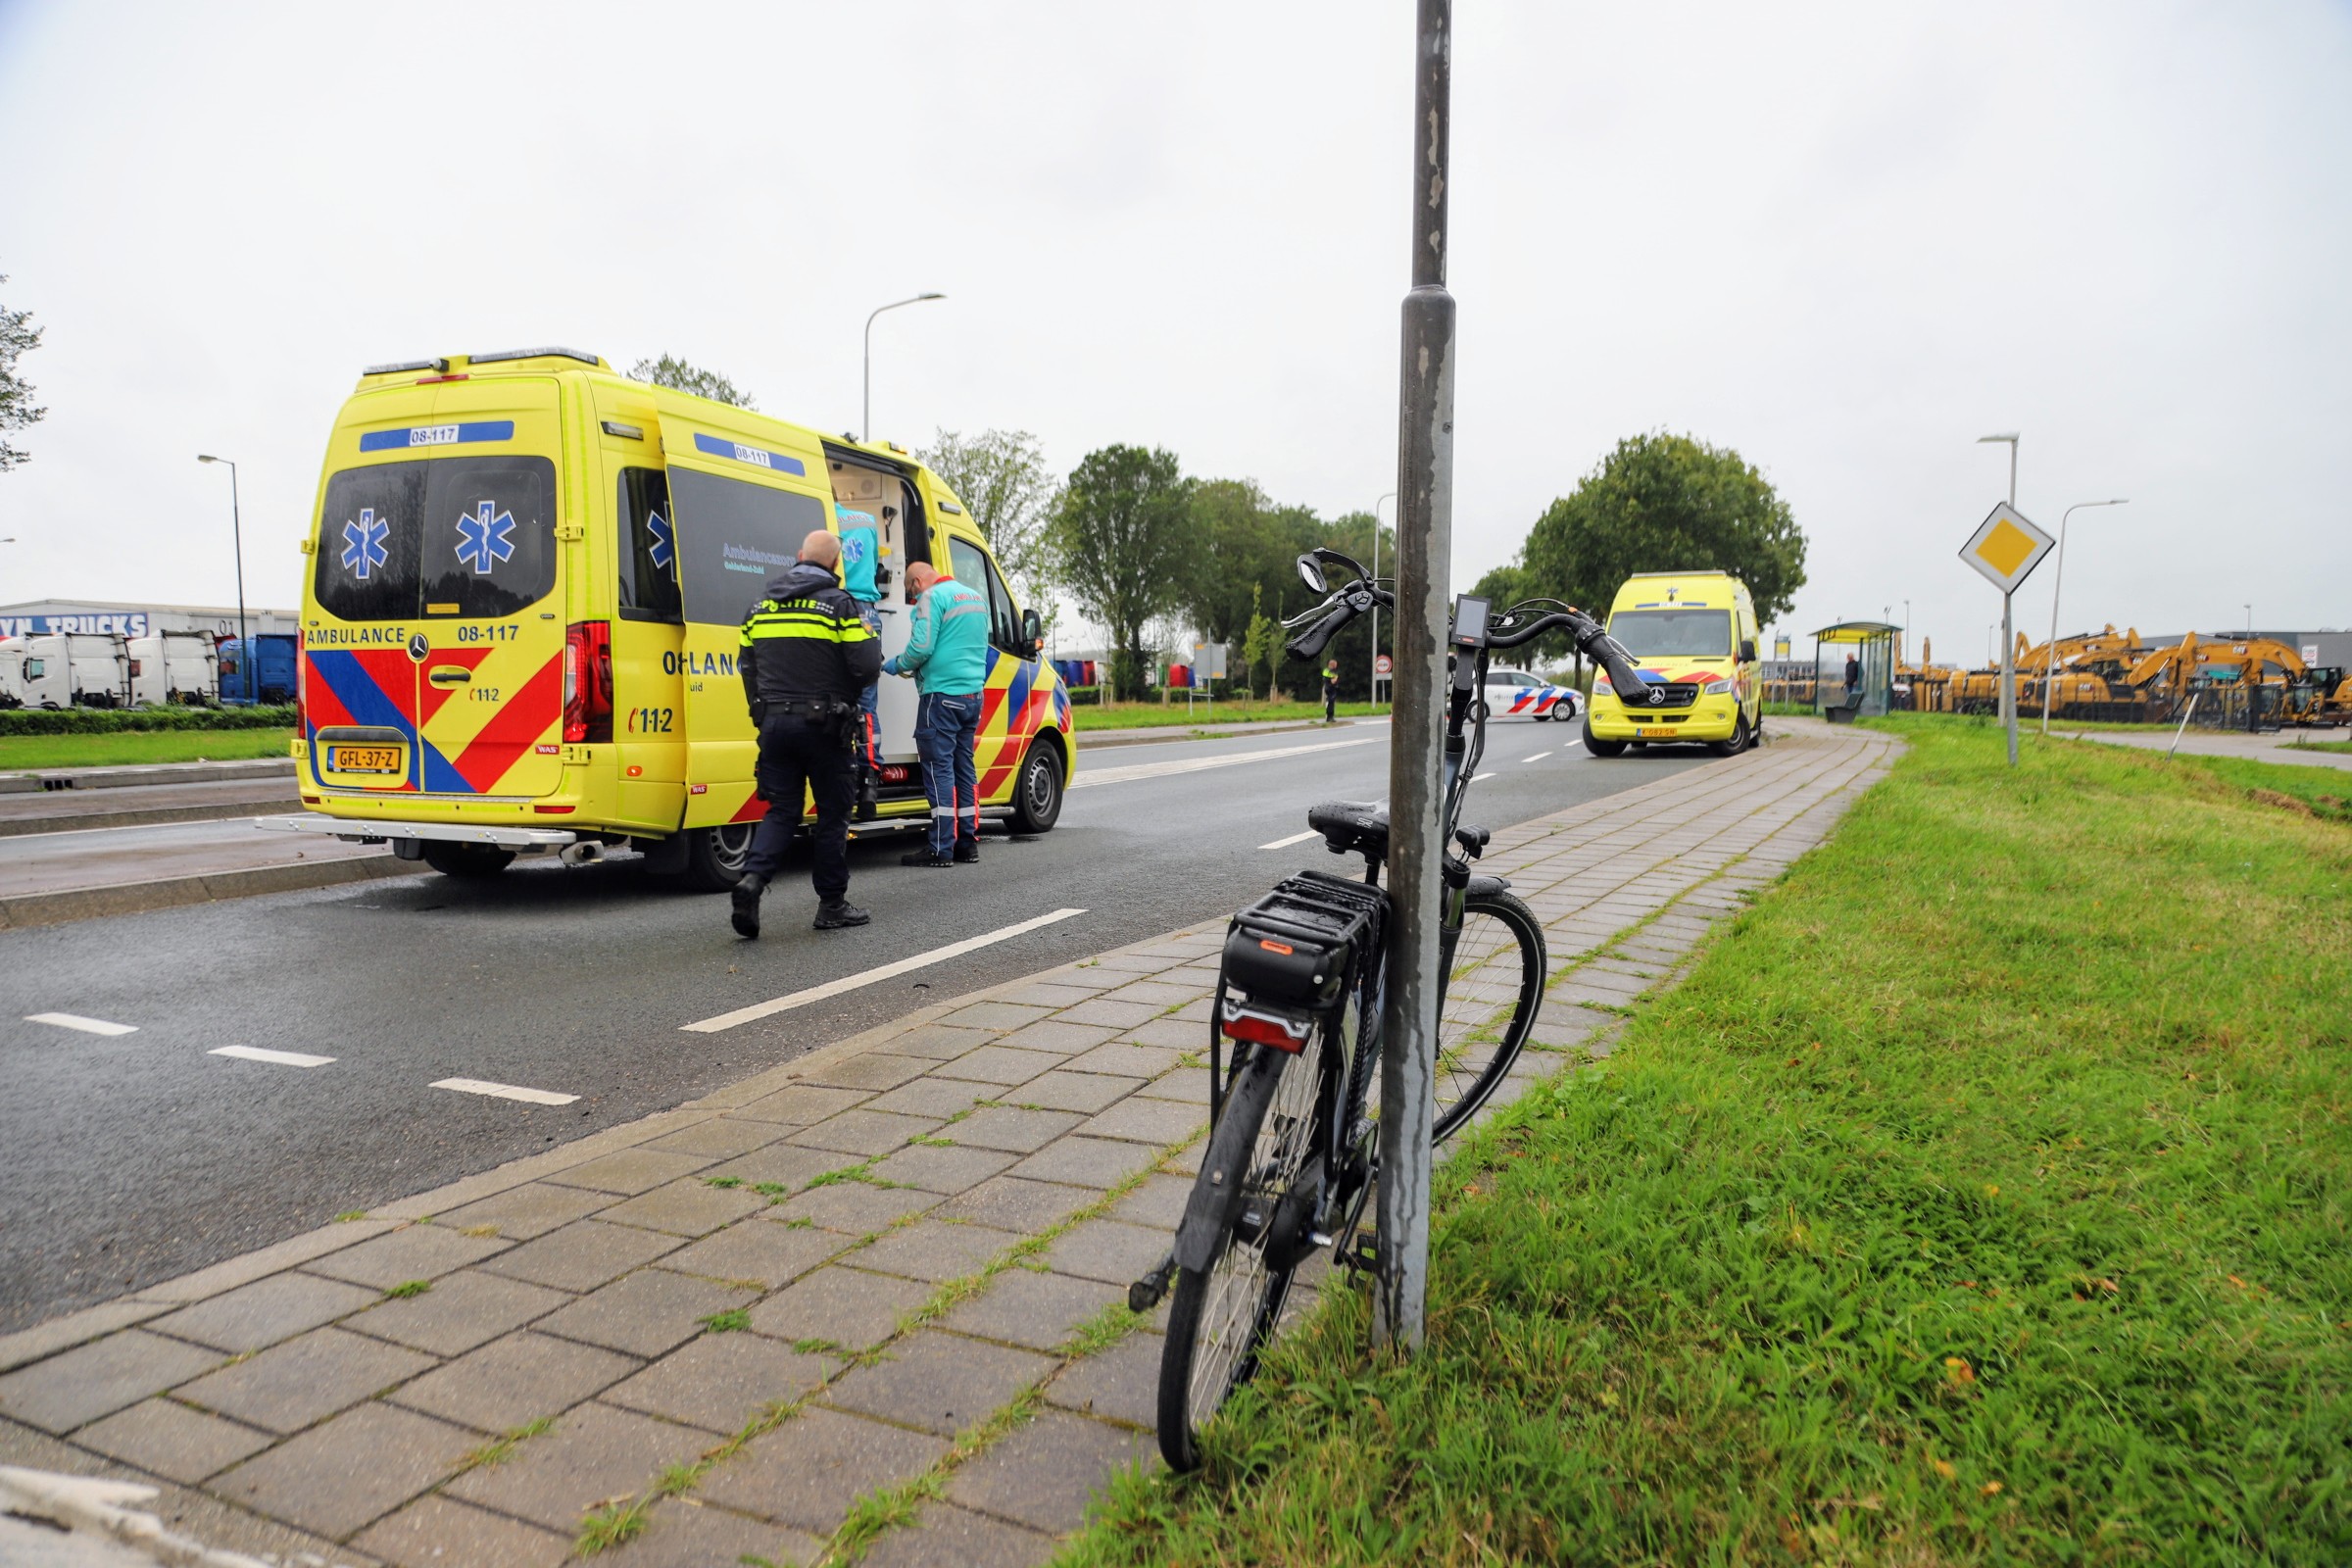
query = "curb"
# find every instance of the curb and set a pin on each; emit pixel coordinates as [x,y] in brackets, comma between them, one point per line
[151,816]
[112,778]
[205,886]
[1096,739]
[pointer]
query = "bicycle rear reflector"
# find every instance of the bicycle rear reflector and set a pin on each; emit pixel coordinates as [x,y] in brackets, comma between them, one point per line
[1240,1021]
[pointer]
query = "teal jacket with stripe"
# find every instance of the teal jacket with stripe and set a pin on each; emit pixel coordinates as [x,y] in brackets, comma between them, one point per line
[947,644]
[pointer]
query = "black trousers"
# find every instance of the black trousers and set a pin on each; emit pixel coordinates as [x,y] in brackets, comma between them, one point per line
[804,754]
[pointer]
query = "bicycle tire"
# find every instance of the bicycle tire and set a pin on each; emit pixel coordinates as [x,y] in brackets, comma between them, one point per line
[1221,1317]
[1501,949]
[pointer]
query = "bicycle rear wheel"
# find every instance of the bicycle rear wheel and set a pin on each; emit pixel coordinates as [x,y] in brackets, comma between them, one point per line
[1493,991]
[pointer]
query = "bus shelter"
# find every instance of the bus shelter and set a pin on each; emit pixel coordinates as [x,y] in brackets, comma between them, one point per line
[1863,650]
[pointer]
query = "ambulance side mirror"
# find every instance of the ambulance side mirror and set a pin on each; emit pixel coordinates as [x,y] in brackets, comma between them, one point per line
[1748,650]
[1033,631]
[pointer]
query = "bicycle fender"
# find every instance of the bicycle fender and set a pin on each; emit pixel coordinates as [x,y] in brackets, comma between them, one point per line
[1489,884]
[1208,1213]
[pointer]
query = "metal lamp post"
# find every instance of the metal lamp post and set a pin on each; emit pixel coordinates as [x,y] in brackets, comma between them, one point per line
[236,530]
[1375,688]
[865,413]
[2008,638]
[2049,662]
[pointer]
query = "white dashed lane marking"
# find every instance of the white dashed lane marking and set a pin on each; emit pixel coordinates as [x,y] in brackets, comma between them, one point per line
[1295,838]
[1538,757]
[1195,765]
[88,1026]
[283,1058]
[532,1096]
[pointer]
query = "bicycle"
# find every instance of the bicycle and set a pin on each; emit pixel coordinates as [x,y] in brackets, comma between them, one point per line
[1289,1164]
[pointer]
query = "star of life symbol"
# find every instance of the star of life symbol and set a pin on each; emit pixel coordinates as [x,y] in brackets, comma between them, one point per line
[363,544]
[659,527]
[485,537]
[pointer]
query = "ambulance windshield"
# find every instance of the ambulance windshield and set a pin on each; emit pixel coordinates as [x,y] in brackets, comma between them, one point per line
[1674,633]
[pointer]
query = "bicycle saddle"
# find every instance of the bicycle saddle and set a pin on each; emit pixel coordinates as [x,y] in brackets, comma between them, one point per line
[1356,826]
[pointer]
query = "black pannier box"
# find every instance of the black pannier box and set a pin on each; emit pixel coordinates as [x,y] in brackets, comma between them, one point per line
[1298,947]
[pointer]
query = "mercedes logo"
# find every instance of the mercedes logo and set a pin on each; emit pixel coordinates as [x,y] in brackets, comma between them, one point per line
[419,648]
[1657,696]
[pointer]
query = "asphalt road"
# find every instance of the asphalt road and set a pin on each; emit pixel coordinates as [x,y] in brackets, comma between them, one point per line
[129,1159]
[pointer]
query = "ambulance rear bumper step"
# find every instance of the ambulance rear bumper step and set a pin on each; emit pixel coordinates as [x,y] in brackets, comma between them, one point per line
[373,832]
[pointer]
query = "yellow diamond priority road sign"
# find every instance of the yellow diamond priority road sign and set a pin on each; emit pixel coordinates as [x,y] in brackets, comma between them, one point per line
[2006,548]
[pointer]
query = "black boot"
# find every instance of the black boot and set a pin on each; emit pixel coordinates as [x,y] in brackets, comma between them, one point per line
[745,899]
[924,858]
[967,851]
[834,913]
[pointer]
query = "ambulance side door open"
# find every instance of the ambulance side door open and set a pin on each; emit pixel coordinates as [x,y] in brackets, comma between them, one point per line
[863,485]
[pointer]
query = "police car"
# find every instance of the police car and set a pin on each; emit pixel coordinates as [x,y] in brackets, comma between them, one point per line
[1516,694]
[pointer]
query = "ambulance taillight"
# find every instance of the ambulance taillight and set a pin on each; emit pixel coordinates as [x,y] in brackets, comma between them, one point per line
[588,682]
[302,693]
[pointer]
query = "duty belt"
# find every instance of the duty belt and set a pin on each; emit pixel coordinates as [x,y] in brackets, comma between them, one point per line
[812,707]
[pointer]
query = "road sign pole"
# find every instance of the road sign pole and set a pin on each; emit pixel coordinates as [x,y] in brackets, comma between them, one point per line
[1416,763]
[2009,679]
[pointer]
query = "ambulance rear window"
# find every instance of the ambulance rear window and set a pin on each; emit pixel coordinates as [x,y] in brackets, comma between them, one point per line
[648,547]
[470,538]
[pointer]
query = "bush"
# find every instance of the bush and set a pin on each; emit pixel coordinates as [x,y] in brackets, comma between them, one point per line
[119,721]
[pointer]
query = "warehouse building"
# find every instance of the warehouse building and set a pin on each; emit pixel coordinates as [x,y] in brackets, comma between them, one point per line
[40,617]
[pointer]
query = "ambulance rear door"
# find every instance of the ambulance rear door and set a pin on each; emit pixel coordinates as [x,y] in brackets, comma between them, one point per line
[741,502]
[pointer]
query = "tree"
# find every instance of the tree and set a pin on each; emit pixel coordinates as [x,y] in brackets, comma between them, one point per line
[1001,479]
[1261,644]
[679,376]
[1125,546]
[18,411]
[1666,503]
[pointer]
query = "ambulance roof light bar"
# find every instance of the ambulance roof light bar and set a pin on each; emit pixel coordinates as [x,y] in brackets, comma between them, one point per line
[439,367]
[534,354]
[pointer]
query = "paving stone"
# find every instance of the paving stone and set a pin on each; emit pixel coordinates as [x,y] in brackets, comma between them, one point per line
[845,1308]
[854,1209]
[1025,1307]
[1158,1203]
[945,1535]
[459,1313]
[1121,1384]
[646,1312]
[932,1097]
[512,1382]
[1047,1474]
[993,1016]
[1174,1034]
[871,1071]
[289,1386]
[1111,1014]
[940,1382]
[721,1138]
[99,1378]
[688,1207]
[1157,994]
[1145,1120]
[440,1533]
[722,1380]
[682,1533]
[756,1249]
[799,1104]
[934,1250]
[582,1255]
[1060,1036]
[1011,1203]
[864,1132]
[939,1043]
[809,1471]
[1061,1090]
[360,1465]
[411,1252]
[522,1212]
[1184,1084]
[1096,1162]
[1067,991]
[632,1170]
[264,1312]
[172,1441]
[1106,1250]
[1128,1061]
[1021,1132]
[943,1170]
[995,1064]
[783,1165]
[594,1452]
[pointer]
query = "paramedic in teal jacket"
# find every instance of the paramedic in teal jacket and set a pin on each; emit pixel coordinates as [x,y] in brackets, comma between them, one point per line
[862,573]
[946,654]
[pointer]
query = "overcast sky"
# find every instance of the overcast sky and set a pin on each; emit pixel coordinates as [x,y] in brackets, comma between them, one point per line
[1846,241]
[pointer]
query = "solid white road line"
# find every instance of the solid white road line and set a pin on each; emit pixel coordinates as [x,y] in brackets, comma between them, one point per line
[852,982]
[284,1059]
[476,1085]
[88,1026]
[1295,838]
[1194,765]
[1538,757]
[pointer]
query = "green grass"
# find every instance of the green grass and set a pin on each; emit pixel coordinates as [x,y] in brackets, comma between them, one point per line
[1174,713]
[406,1289]
[2320,746]
[22,752]
[1981,1198]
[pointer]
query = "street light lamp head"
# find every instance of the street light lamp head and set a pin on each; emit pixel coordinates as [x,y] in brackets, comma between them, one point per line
[930,296]
[2006,436]
[203,457]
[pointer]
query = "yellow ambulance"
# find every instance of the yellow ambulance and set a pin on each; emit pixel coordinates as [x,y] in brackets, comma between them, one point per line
[1692,635]
[520,617]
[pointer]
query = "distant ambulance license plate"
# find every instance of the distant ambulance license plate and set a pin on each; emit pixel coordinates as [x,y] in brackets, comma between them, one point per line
[366,760]
[1656,733]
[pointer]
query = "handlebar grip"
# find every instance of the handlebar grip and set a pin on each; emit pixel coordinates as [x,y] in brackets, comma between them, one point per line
[1311,642]
[1610,655]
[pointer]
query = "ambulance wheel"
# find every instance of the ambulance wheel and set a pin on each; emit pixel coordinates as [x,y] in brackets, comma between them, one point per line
[715,856]
[1737,742]
[472,861]
[1037,794]
[1600,747]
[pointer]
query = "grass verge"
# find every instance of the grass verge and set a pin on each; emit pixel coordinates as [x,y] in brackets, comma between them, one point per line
[1173,715]
[136,747]
[1982,1197]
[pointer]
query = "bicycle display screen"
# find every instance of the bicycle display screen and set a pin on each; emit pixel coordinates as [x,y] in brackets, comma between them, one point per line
[1470,622]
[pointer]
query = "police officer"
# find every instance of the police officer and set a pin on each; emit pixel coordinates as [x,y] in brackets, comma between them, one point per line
[805,658]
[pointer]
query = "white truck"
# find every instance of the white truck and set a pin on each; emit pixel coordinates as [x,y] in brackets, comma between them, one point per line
[96,665]
[173,667]
[33,678]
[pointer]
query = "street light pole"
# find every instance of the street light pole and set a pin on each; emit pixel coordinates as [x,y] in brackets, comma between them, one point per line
[866,415]
[2008,637]
[1375,689]
[2049,662]
[236,533]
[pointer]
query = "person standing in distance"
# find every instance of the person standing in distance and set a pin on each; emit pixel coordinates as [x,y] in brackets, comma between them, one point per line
[946,654]
[1331,691]
[805,658]
[863,575]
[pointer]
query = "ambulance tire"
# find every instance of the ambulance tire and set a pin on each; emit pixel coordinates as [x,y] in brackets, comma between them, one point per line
[1736,744]
[470,862]
[1597,746]
[715,856]
[1037,793]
